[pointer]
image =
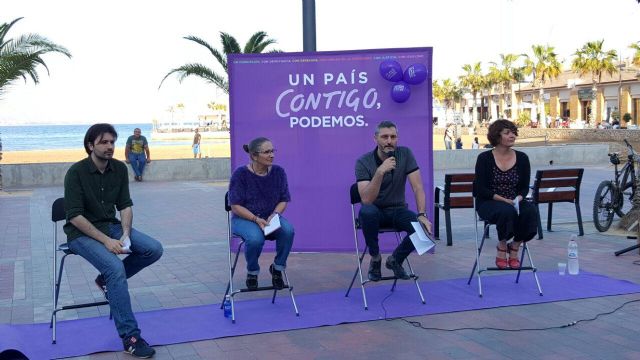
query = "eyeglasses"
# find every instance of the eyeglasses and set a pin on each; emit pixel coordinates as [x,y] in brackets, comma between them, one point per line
[267,152]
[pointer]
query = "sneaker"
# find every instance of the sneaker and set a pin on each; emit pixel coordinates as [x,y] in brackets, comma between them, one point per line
[276,278]
[102,285]
[138,347]
[252,282]
[398,270]
[375,269]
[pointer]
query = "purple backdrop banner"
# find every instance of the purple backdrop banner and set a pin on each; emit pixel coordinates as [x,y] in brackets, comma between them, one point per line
[320,111]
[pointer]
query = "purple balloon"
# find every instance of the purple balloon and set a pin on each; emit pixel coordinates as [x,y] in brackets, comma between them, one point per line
[415,74]
[400,92]
[391,70]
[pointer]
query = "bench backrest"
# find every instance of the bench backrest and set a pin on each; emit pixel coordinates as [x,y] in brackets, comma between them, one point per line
[557,185]
[458,190]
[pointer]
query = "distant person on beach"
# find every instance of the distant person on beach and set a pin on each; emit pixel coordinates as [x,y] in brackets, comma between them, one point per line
[134,153]
[93,189]
[259,191]
[448,136]
[475,144]
[196,145]
[381,176]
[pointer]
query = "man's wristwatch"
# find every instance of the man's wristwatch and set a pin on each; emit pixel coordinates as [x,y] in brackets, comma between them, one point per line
[422,214]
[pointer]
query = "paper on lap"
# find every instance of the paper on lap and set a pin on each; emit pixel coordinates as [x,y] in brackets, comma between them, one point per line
[420,239]
[273,225]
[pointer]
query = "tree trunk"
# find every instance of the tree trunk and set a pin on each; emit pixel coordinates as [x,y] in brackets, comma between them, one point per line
[543,116]
[594,104]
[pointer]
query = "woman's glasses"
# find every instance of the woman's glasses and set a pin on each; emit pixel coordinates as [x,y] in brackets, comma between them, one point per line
[267,152]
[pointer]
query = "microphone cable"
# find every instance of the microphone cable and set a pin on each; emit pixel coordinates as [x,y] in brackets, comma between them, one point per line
[419,325]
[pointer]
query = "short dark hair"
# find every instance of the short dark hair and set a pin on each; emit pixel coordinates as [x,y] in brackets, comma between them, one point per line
[95,131]
[493,135]
[254,145]
[385,124]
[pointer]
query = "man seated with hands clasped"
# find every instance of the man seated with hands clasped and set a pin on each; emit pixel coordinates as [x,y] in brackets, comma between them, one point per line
[381,175]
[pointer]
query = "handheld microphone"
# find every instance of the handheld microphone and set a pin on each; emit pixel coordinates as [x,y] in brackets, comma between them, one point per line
[391,153]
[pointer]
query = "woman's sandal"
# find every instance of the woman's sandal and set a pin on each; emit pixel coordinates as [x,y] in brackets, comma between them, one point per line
[500,262]
[514,262]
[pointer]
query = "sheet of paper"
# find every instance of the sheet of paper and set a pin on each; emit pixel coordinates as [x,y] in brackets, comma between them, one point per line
[420,239]
[516,204]
[126,247]
[273,225]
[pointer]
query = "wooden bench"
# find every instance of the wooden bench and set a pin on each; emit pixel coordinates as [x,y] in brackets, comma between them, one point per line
[555,186]
[457,193]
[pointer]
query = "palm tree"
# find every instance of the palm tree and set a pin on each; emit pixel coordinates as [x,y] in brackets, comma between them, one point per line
[544,66]
[636,56]
[256,44]
[506,74]
[473,81]
[592,59]
[20,57]
[447,94]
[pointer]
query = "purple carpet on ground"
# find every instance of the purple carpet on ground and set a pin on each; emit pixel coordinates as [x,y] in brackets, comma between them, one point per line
[163,327]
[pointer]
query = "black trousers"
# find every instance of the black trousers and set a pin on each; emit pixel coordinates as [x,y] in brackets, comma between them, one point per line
[522,227]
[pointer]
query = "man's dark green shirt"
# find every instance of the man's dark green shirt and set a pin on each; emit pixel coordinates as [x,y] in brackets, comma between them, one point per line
[95,195]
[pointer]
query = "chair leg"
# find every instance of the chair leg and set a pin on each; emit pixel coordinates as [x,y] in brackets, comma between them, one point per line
[533,267]
[415,280]
[549,216]
[436,222]
[293,299]
[540,236]
[233,271]
[447,218]
[476,264]
[579,216]
[355,275]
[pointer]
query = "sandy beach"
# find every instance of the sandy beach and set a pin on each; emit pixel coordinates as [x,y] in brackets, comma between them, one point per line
[174,151]
[73,155]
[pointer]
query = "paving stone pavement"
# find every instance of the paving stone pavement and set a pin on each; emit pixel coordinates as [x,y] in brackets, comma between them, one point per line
[187,217]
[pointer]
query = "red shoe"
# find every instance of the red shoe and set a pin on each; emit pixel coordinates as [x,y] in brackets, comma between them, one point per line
[501,263]
[514,262]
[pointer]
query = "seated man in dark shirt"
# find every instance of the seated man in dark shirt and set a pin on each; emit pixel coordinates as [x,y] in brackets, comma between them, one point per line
[93,189]
[381,175]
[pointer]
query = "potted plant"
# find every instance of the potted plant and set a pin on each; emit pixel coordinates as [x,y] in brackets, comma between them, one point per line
[627,118]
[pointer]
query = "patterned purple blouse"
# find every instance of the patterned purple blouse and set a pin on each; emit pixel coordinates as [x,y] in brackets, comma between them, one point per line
[505,183]
[259,194]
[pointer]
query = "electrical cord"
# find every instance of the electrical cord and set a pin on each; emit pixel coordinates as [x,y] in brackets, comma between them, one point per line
[418,324]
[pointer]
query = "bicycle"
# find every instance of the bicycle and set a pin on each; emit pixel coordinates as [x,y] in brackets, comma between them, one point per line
[610,195]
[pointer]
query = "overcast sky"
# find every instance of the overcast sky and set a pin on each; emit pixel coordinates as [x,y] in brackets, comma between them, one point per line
[122,48]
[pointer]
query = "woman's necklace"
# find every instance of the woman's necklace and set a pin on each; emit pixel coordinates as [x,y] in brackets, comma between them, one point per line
[257,173]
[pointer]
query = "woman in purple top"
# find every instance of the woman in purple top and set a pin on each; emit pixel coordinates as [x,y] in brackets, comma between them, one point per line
[257,192]
[500,188]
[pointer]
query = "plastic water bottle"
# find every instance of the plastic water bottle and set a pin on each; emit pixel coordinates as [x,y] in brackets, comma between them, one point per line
[572,251]
[227,306]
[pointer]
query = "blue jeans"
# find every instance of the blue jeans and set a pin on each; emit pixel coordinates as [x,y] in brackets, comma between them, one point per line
[138,161]
[373,218]
[145,251]
[254,241]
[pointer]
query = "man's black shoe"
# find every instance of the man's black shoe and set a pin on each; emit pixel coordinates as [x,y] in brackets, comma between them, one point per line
[102,285]
[276,278]
[252,282]
[398,270]
[375,269]
[137,347]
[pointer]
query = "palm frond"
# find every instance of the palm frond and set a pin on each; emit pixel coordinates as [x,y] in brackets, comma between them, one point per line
[229,44]
[198,70]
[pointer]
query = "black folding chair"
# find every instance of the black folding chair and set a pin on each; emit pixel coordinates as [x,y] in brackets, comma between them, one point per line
[57,215]
[355,200]
[232,269]
[479,244]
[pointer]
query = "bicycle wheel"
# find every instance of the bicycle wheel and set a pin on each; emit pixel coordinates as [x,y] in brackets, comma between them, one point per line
[603,206]
[624,201]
